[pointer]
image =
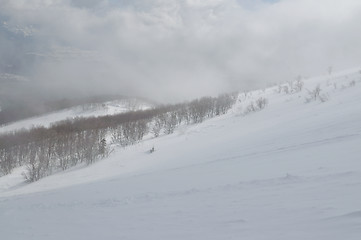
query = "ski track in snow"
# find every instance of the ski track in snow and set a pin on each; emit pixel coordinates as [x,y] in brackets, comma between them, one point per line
[290,171]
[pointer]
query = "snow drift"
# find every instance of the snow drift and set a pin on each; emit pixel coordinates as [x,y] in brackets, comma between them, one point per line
[290,171]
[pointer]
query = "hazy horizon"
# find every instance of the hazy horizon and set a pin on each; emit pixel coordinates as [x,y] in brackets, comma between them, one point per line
[169,50]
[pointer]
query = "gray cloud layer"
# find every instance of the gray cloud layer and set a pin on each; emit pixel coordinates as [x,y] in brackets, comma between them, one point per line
[169,50]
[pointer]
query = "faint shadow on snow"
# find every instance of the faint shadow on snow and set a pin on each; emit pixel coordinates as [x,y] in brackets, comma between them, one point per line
[235,221]
[15,187]
[288,179]
[351,215]
[356,214]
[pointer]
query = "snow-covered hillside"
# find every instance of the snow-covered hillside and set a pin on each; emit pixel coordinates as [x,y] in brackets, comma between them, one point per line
[289,171]
[90,110]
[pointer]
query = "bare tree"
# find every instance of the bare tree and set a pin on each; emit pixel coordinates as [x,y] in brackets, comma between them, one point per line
[158,124]
[314,94]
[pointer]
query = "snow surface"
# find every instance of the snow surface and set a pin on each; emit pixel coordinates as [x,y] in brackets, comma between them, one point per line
[290,171]
[107,108]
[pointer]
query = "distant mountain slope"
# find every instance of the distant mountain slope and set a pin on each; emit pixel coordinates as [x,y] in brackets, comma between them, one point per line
[290,171]
[86,110]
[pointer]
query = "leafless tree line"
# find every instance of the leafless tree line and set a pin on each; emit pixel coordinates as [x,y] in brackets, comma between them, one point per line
[86,140]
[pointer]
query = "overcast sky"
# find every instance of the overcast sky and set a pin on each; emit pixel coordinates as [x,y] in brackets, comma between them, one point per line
[170,50]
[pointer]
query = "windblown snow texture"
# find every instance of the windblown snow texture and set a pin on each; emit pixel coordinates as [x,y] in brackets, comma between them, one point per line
[290,171]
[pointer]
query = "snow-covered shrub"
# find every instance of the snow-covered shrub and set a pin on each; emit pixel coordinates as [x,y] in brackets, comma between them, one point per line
[251,108]
[286,89]
[298,85]
[315,95]
[261,103]
[291,87]
[323,97]
[258,105]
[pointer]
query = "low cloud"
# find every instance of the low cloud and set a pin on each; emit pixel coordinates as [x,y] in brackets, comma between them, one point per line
[170,50]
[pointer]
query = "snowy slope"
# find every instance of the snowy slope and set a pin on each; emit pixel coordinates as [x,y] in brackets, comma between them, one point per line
[290,171]
[107,108]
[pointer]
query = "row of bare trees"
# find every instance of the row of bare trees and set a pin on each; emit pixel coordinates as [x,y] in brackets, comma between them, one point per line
[86,140]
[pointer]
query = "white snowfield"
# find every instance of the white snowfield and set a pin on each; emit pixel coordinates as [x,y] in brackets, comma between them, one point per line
[290,171]
[90,110]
